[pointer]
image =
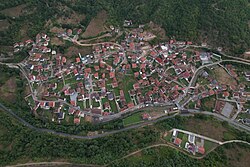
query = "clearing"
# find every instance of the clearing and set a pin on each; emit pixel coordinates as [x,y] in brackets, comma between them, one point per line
[210,128]
[14,11]
[133,119]
[157,30]
[56,41]
[73,18]
[208,103]
[75,50]
[4,24]
[96,25]
[56,30]
[8,90]
[223,77]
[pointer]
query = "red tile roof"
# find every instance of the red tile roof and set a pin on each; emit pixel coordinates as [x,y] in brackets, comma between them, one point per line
[201,150]
[177,141]
[226,94]
[77,120]
[73,103]
[134,65]
[87,70]
[130,105]
[97,68]
[96,75]
[112,74]
[78,60]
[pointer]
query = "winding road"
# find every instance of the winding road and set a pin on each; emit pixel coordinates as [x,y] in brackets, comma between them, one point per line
[84,137]
[193,80]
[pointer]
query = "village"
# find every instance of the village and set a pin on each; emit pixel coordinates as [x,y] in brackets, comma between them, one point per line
[124,77]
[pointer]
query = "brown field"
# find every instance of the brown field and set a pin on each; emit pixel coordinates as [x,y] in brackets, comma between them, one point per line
[14,11]
[157,30]
[96,25]
[27,90]
[56,30]
[24,33]
[208,128]
[210,104]
[88,118]
[8,90]
[73,51]
[74,18]
[57,41]
[223,77]
[4,24]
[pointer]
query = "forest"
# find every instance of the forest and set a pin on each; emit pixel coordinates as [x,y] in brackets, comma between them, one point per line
[222,23]
[20,145]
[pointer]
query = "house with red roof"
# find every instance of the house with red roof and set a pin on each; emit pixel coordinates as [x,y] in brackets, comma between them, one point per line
[146,116]
[96,75]
[102,65]
[71,111]
[78,60]
[134,65]
[143,66]
[97,68]
[136,86]
[143,59]
[52,104]
[64,60]
[77,120]
[177,141]
[159,60]
[185,75]
[112,74]
[103,76]
[201,150]
[87,70]
[130,105]
[73,103]
[144,76]
[226,94]
[75,72]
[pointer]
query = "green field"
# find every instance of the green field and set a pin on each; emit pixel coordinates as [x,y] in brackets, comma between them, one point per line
[184,140]
[208,145]
[133,119]
[113,106]
[95,104]
[126,83]
[31,101]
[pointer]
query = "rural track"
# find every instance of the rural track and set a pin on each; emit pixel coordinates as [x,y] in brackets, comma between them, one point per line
[54,163]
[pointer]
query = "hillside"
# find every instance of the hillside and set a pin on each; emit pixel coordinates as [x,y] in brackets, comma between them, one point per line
[223,23]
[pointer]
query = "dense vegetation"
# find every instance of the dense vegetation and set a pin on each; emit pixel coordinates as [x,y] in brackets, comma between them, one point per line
[20,144]
[220,23]
[167,157]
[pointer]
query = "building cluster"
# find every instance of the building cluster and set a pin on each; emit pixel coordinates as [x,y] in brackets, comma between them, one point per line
[117,77]
[192,144]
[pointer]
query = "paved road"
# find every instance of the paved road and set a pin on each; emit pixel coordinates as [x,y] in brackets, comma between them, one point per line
[85,137]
